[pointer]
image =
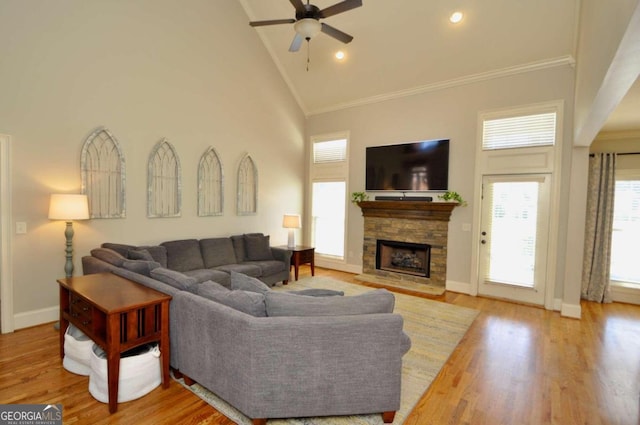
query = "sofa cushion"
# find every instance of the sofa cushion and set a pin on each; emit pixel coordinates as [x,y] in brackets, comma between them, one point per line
[257,247]
[176,279]
[217,252]
[283,304]
[202,275]
[268,267]
[109,256]
[143,267]
[210,285]
[317,292]
[248,269]
[247,302]
[140,254]
[247,283]
[183,255]
[121,249]
[158,253]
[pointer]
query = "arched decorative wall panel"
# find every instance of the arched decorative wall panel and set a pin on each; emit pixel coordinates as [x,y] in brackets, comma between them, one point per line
[164,195]
[247,199]
[102,170]
[210,184]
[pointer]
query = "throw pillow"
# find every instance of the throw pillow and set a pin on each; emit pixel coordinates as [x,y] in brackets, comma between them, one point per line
[372,302]
[157,252]
[121,249]
[140,266]
[108,255]
[175,279]
[257,247]
[248,283]
[140,254]
[247,302]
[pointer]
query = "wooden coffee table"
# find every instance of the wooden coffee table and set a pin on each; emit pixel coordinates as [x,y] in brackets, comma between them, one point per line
[118,315]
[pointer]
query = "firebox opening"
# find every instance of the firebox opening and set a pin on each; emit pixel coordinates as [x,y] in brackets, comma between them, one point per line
[403,257]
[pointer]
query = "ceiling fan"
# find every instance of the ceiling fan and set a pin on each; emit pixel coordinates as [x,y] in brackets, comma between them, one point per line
[307,22]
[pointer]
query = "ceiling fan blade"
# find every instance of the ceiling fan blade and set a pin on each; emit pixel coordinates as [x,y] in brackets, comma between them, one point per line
[271,22]
[339,8]
[336,33]
[296,43]
[298,5]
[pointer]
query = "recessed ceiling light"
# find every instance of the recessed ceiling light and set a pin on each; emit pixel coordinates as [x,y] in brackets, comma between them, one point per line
[340,55]
[456,17]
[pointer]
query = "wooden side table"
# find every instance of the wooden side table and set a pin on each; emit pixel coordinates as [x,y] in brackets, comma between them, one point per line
[118,315]
[301,255]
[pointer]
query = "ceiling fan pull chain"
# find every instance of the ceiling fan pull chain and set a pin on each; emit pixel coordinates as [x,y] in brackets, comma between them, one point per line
[308,53]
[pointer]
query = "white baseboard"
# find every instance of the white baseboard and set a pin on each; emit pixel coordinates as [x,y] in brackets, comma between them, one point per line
[571,310]
[461,287]
[36,317]
[557,304]
[625,294]
[338,265]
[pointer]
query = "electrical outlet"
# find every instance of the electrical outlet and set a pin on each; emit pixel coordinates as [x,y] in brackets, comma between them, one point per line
[21,227]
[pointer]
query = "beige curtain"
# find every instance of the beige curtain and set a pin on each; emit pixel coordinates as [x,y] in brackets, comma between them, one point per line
[599,226]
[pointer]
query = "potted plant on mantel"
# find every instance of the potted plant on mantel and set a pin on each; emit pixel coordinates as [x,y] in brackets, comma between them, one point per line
[359,197]
[452,196]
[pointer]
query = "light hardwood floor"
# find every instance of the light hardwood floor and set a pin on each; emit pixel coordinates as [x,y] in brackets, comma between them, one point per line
[516,365]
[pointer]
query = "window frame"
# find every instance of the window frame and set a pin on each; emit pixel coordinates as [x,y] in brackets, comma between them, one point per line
[330,171]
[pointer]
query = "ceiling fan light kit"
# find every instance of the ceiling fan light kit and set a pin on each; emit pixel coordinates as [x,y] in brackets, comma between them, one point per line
[307,22]
[307,28]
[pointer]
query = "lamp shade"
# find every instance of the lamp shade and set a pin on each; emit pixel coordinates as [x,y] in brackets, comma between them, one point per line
[68,207]
[291,221]
[308,27]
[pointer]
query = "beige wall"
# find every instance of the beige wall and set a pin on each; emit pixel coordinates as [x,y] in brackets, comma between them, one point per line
[451,113]
[197,75]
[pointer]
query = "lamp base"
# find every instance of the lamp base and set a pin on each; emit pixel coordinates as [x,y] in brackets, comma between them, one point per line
[291,243]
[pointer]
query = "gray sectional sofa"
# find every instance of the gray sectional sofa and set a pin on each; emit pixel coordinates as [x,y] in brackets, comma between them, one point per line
[202,260]
[276,354]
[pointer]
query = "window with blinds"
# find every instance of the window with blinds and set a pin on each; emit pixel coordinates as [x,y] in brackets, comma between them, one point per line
[519,132]
[330,151]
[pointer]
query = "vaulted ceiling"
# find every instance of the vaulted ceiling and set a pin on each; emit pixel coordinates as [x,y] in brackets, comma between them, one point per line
[402,47]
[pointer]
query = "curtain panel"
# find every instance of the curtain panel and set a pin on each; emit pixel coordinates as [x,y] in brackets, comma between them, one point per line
[599,227]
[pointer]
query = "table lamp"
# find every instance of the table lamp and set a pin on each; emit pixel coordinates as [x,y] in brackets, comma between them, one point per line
[291,221]
[69,207]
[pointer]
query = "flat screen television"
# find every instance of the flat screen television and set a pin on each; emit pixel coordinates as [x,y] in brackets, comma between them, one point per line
[417,166]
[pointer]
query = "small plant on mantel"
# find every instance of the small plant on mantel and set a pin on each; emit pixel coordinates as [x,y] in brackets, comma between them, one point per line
[451,196]
[359,197]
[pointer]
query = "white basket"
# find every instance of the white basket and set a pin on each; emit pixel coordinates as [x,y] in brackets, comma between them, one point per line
[77,351]
[139,373]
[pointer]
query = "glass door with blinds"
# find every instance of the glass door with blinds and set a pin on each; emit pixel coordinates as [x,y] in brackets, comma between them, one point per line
[514,237]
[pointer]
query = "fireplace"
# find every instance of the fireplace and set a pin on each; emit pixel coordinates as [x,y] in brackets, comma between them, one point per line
[415,223]
[403,257]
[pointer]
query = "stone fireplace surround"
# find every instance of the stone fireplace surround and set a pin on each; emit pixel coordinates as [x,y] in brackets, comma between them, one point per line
[407,221]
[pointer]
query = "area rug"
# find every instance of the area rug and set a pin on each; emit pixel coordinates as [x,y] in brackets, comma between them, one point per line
[435,329]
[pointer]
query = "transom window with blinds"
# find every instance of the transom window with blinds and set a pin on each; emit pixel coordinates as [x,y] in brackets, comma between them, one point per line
[519,132]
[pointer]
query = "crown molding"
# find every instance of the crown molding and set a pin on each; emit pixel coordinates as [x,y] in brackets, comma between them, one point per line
[456,82]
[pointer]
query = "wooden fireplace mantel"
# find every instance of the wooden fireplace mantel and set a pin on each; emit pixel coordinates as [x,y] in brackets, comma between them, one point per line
[415,210]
